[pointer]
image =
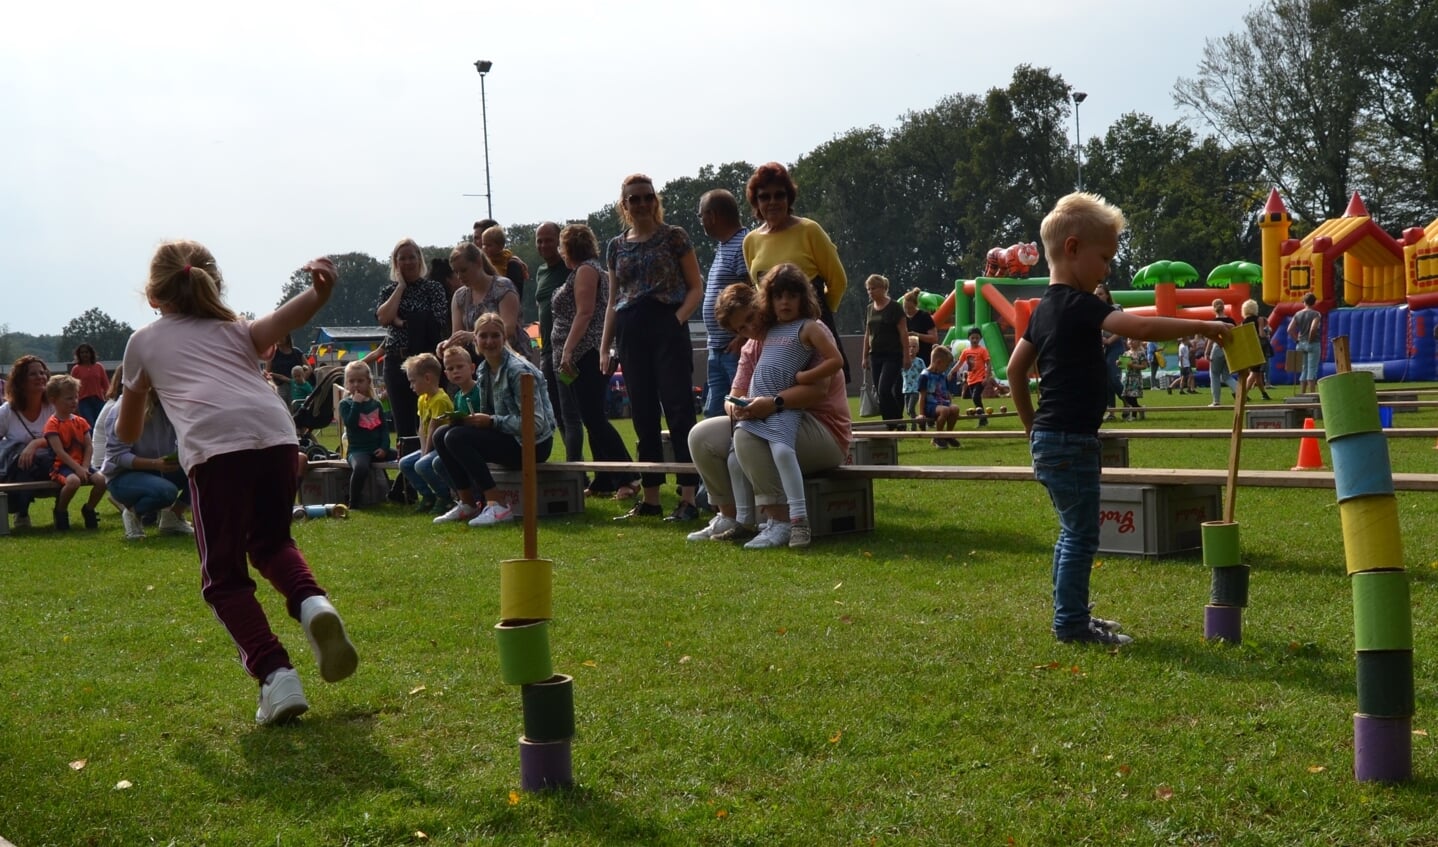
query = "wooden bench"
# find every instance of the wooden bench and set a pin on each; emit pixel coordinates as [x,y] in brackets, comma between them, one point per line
[43,488]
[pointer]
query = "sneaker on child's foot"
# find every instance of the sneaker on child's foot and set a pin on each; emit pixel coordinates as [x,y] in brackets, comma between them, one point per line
[492,514]
[1103,623]
[425,506]
[799,533]
[717,524]
[460,512]
[282,698]
[771,534]
[173,524]
[441,506]
[92,520]
[737,532]
[333,651]
[62,520]
[134,529]
[1095,635]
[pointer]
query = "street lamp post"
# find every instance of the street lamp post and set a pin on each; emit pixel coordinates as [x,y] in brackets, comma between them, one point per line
[1079,97]
[483,66]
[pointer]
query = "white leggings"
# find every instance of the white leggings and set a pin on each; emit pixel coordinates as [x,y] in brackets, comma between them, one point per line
[750,451]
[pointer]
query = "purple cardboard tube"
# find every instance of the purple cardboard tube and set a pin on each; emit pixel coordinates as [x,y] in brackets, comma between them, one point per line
[1223,623]
[544,765]
[1382,749]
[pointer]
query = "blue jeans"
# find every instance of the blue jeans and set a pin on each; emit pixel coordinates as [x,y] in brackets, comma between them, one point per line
[1311,354]
[426,475]
[1068,466]
[146,493]
[719,379]
[1218,374]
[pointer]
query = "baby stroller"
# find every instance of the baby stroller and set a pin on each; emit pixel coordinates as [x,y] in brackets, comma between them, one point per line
[317,411]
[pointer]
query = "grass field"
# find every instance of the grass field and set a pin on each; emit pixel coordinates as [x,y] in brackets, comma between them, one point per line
[899,687]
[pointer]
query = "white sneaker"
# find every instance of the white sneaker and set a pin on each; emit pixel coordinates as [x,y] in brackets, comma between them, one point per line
[333,651]
[460,512]
[173,524]
[134,528]
[493,513]
[799,533]
[282,699]
[717,524]
[771,534]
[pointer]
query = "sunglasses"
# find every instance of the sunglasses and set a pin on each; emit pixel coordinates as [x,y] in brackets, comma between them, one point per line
[639,198]
[766,196]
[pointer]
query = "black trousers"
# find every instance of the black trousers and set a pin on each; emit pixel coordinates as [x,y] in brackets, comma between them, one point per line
[584,398]
[658,363]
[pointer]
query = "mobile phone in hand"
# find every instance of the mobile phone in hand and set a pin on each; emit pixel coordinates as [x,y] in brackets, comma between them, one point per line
[741,402]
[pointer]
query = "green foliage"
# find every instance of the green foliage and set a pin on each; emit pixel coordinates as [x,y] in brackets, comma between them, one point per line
[1330,96]
[107,335]
[899,687]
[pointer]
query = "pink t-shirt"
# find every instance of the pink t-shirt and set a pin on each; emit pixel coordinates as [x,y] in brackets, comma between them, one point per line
[207,374]
[832,411]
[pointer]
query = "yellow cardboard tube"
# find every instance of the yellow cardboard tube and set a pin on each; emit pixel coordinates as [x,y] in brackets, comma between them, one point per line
[1371,541]
[1243,350]
[526,589]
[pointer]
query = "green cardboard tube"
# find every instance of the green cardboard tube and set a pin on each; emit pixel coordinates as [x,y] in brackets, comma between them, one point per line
[1230,587]
[1385,683]
[1350,404]
[1220,544]
[523,651]
[549,709]
[1382,611]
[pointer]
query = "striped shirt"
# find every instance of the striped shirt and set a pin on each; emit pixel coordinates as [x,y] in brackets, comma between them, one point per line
[727,268]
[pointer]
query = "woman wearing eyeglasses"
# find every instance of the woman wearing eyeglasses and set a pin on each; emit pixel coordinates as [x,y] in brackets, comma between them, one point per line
[654,286]
[785,237]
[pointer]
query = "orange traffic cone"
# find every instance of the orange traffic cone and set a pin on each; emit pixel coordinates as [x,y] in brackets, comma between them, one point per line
[1309,459]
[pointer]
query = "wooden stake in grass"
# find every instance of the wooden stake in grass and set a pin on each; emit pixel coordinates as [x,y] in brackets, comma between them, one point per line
[529,475]
[1230,492]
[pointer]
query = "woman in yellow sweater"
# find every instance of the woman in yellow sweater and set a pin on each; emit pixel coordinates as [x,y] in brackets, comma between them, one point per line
[785,237]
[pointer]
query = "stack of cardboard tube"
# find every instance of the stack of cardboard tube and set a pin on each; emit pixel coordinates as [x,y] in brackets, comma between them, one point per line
[525,610]
[1373,547]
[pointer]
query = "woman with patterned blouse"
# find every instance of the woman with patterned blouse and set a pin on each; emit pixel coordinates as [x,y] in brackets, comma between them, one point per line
[576,306]
[654,286]
[415,313]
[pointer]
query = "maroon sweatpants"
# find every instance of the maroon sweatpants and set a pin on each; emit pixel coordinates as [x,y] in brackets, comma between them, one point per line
[242,503]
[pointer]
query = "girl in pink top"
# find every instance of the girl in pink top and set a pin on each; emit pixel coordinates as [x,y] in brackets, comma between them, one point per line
[238,446]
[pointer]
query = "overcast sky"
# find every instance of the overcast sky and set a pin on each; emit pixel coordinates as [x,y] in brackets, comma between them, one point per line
[275,132]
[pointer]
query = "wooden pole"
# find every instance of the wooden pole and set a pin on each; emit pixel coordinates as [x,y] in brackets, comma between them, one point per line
[1340,354]
[529,487]
[1230,491]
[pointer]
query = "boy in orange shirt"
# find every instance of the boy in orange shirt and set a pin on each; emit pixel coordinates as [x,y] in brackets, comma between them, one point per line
[974,362]
[69,438]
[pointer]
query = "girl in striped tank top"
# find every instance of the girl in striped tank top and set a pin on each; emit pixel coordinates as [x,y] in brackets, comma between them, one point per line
[789,307]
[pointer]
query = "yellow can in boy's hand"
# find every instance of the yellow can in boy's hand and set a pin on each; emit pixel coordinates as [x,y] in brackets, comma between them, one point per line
[1243,350]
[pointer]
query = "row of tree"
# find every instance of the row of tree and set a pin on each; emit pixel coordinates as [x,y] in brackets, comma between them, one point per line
[1317,97]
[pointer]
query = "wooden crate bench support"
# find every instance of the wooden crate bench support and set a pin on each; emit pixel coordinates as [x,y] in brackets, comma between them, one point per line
[43,488]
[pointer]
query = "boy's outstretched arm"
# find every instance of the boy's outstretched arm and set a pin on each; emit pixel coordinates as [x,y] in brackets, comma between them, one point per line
[1164,329]
[1021,363]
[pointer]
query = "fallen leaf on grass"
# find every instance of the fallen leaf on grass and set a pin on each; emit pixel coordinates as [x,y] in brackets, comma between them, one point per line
[846,618]
[683,660]
[417,689]
[1051,666]
[1164,793]
[838,585]
[420,834]
[514,798]
[721,814]
[783,630]
[1075,671]
[834,739]
[868,555]
[123,784]
[1422,732]
[78,764]
[1097,563]
[1316,769]
[1124,770]
[590,663]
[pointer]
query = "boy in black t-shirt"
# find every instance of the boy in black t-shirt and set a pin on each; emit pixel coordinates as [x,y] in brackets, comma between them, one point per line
[1080,237]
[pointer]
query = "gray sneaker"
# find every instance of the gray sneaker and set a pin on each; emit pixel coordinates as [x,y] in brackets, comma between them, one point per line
[771,534]
[1096,635]
[799,533]
[1103,623]
[282,699]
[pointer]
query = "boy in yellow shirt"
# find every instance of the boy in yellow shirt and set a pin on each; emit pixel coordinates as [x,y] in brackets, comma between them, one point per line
[435,407]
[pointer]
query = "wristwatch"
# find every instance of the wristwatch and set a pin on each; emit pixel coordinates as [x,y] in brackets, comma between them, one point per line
[778,402]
